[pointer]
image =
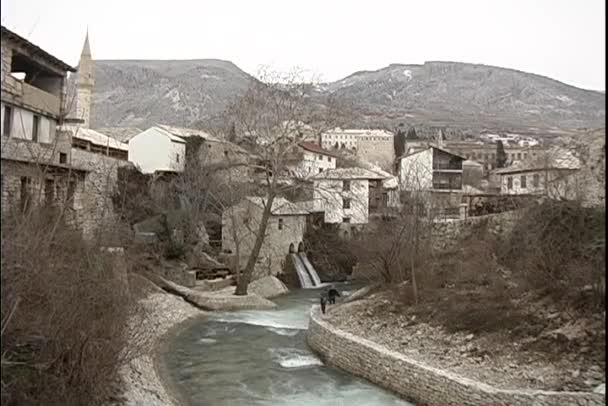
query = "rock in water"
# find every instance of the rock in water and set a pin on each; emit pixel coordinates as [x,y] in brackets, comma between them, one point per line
[600,389]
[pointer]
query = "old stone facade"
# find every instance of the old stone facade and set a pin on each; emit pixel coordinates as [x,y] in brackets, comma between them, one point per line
[373,146]
[284,233]
[418,382]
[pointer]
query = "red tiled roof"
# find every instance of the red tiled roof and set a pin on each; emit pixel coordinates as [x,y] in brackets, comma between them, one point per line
[312,147]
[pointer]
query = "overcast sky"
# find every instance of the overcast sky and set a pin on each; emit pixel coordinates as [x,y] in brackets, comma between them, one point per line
[562,39]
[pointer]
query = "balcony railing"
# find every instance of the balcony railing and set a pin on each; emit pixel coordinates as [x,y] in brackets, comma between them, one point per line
[41,100]
[447,165]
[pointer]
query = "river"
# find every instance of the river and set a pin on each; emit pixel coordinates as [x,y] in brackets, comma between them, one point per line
[260,357]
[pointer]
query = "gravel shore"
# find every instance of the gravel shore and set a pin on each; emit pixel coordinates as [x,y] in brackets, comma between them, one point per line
[141,382]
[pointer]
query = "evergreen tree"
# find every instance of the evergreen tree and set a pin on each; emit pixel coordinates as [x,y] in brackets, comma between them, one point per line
[232,133]
[411,134]
[501,156]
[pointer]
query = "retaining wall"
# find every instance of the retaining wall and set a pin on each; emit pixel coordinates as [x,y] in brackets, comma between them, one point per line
[422,384]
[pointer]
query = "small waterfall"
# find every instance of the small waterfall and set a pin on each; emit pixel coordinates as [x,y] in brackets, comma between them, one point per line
[305,280]
[311,270]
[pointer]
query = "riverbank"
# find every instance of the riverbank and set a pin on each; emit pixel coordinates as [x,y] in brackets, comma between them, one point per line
[141,382]
[418,380]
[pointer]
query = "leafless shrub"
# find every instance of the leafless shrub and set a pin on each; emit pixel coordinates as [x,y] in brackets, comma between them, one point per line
[65,314]
[560,247]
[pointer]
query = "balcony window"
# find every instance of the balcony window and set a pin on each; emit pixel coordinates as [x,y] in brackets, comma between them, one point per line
[536,180]
[346,203]
[509,182]
[523,181]
[8,121]
[346,185]
[35,128]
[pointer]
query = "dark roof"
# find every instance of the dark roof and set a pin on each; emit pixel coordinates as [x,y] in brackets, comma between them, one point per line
[35,50]
[312,147]
[435,147]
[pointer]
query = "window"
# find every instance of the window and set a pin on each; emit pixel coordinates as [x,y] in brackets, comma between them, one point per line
[8,121]
[346,219]
[346,203]
[320,170]
[320,157]
[536,180]
[25,192]
[523,180]
[280,224]
[346,185]
[177,158]
[71,190]
[509,182]
[518,156]
[63,158]
[49,191]
[35,128]
[226,154]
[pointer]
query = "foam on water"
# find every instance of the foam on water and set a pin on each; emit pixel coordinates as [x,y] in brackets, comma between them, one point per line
[284,331]
[294,358]
[205,340]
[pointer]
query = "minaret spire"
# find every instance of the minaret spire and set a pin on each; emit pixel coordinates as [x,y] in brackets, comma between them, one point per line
[85,83]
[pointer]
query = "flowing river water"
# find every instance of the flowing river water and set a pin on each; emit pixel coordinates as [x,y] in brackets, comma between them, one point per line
[260,357]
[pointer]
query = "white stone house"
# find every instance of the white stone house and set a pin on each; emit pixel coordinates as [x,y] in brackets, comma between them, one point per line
[284,232]
[157,149]
[431,169]
[552,173]
[309,159]
[343,194]
[163,148]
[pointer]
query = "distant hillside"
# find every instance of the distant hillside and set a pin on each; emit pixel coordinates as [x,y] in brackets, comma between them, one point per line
[140,93]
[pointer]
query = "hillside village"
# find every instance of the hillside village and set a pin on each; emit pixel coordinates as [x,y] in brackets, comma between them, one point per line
[289,198]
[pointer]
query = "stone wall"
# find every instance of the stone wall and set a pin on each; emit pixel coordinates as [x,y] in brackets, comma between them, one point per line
[420,383]
[446,233]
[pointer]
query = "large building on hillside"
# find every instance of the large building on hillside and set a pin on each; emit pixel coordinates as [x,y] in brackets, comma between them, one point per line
[374,146]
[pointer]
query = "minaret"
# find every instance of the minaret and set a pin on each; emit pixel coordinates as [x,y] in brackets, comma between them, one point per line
[84,84]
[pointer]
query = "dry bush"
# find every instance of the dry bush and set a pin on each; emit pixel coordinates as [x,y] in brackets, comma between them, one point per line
[65,313]
[560,248]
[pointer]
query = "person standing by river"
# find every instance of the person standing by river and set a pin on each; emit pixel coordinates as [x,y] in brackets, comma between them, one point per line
[323,302]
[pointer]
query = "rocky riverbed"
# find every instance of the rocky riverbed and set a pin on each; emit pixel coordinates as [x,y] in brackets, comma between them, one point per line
[141,384]
[488,358]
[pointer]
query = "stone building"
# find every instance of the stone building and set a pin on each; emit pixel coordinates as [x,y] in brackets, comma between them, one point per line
[478,151]
[436,174]
[284,233]
[36,163]
[164,148]
[554,174]
[343,194]
[374,146]
[309,159]
[43,160]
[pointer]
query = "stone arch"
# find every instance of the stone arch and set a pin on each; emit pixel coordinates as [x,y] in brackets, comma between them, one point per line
[292,248]
[301,247]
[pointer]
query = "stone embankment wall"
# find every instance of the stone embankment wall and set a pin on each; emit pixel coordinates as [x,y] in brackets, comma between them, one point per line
[423,384]
[446,233]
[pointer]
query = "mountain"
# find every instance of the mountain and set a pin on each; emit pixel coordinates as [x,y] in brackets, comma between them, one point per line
[435,94]
[466,94]
[141,93]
